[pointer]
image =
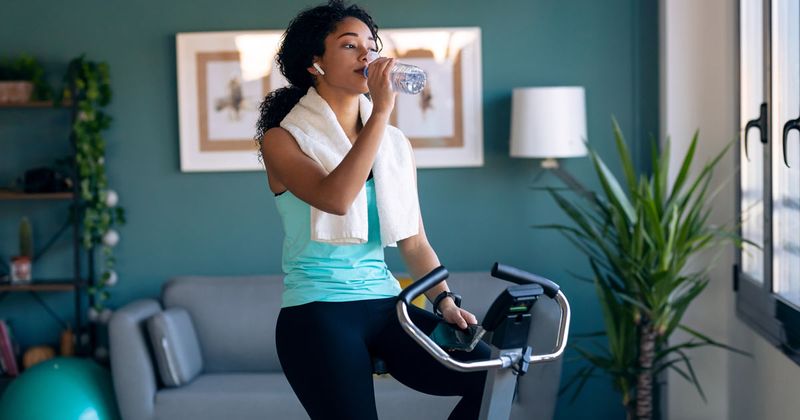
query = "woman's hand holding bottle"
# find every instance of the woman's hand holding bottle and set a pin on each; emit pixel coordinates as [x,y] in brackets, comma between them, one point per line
[380,86]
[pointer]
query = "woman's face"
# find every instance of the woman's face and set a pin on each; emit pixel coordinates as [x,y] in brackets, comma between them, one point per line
[346,56]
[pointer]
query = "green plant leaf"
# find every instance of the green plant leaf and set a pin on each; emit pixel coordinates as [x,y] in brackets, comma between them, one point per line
[713,342]
[579,380]
[588,335]
[683,173]
[692,373]
[624,154]
[616,196]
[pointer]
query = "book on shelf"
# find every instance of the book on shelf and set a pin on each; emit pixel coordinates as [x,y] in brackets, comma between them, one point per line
[7,350]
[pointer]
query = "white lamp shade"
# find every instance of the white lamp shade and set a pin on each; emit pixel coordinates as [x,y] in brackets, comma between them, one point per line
[548,122]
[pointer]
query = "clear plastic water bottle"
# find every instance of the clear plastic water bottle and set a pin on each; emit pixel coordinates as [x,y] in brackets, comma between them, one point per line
[405,78]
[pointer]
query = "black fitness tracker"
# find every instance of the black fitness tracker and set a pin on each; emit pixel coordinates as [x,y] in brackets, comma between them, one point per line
[440,297]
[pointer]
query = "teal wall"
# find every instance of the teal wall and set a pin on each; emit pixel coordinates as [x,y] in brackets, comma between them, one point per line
[226,223]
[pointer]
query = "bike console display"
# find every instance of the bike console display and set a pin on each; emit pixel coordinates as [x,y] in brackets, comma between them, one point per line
[509,317]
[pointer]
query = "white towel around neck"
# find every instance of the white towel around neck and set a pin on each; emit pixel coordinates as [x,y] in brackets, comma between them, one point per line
[316,130]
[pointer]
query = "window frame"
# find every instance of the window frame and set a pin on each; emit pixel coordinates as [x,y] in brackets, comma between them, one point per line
[766,312]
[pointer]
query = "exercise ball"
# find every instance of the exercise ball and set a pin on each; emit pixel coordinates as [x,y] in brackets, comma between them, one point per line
[65,388]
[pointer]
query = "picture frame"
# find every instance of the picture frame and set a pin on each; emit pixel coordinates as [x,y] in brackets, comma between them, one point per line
[222,79]
[445,122]
[224,76]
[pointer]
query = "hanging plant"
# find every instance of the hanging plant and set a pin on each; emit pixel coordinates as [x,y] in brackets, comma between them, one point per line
[89,89]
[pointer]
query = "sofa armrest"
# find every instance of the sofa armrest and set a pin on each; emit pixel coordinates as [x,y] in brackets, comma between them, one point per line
[132,367]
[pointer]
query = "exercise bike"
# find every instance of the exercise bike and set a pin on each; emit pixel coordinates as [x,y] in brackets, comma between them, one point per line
[507,323]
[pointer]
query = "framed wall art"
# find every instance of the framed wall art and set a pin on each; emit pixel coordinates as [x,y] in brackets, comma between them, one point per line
[222,79]
[445,122]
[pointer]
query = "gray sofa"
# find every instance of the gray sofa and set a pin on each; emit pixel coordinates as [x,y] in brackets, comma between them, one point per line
[234,319]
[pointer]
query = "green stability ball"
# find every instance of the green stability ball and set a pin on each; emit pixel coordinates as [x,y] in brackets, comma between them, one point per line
[63,388]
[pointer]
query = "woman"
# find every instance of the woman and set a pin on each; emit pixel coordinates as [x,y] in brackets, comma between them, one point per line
[338,311]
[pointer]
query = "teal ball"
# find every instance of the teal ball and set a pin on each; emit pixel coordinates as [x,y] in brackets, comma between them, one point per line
[65,388]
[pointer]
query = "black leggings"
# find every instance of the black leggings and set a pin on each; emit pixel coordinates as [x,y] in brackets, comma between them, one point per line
[326,351]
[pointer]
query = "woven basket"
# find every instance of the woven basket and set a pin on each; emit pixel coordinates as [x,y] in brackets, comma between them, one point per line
[14,92]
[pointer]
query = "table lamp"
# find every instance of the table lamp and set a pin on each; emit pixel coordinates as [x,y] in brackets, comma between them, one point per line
[549,123]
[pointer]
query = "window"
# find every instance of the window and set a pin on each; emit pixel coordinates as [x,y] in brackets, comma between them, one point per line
[767,276]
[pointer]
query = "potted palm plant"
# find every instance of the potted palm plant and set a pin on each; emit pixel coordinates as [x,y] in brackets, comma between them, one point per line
[639,236]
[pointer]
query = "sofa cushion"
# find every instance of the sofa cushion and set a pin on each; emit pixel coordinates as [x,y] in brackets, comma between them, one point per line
[239,396]
[244,396]
[175,346]
[234,318]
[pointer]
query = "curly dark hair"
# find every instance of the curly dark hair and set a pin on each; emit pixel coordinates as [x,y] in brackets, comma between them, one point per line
[304,39]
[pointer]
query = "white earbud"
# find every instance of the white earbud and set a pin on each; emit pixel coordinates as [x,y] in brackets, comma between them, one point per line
[319,69]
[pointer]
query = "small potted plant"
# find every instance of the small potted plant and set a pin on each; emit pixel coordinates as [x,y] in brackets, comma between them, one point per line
[22,80]
[21,264]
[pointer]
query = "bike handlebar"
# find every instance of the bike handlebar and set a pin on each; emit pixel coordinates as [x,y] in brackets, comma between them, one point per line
[501,271]
[436,276]
[515,275]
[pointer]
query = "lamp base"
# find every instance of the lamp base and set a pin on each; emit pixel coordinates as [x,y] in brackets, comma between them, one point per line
[550,163]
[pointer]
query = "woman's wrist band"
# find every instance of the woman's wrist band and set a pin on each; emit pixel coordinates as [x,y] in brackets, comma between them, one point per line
[456,298]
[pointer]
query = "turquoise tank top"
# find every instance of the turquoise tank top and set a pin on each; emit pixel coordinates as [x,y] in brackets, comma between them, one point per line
[318,271]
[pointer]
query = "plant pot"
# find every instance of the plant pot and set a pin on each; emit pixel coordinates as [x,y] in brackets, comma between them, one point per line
[20,270]
[15,91]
